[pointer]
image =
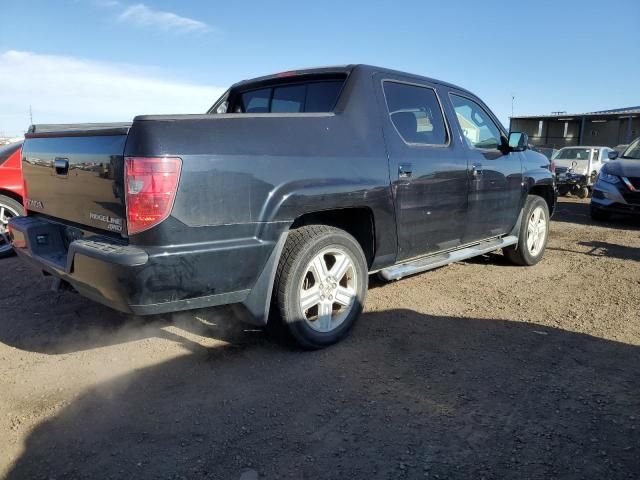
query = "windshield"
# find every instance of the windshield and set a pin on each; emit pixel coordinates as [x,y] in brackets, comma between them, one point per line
[574,154]
[633,150]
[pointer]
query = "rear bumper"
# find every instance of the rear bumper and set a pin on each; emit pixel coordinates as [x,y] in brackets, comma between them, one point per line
[145,281]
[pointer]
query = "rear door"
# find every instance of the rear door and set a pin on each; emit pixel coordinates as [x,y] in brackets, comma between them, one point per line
[495,177]
[428,170]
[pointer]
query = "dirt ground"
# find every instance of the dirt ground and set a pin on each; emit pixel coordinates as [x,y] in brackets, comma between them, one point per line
[475,370]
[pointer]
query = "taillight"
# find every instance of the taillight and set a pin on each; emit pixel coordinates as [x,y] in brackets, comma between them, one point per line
[552,166]
[150,189]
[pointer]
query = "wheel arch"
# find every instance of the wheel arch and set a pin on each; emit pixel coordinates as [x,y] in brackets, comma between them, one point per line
[548,193]
[11,194]
[359,222]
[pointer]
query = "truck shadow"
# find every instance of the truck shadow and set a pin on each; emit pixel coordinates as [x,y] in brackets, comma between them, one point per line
[605,249]
[406,394]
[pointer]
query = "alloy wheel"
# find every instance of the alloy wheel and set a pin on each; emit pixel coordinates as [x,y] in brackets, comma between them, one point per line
[328,289]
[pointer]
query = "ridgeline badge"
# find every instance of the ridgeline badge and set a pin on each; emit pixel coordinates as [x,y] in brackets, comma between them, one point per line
[113,223]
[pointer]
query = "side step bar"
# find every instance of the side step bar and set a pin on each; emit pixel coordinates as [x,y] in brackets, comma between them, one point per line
[423,264]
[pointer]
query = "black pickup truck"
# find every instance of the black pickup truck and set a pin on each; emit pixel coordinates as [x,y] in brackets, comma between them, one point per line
[283,197]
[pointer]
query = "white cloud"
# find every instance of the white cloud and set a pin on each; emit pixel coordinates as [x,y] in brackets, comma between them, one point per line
[64,89]
[143,16]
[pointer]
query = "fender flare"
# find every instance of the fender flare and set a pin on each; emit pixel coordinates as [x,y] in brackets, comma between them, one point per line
[258,302]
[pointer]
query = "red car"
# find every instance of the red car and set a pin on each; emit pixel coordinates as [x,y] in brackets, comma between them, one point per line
[11,191]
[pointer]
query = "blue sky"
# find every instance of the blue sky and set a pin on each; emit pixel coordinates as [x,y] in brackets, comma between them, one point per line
[104,60]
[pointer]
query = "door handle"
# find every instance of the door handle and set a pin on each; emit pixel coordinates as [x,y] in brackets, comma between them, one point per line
[476,170]
[405,170]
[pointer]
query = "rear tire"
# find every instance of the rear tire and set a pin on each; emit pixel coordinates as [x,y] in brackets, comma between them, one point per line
[583,192]
[599,215]
[321,285]
[9,208]
[533,235]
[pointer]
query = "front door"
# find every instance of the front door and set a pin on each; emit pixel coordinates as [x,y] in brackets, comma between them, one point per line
[428,170]
[495,175]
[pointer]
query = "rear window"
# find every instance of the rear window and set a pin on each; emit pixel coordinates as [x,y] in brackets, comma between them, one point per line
[308,97]
[7,150]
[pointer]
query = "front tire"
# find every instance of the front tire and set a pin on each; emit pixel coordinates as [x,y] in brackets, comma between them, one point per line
[321,285]
[534,233]
[9,208]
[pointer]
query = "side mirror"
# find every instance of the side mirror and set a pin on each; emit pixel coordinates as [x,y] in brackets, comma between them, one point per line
[518,141]
[613,155]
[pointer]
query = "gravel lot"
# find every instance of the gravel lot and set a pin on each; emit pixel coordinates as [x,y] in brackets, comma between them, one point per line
[476,370]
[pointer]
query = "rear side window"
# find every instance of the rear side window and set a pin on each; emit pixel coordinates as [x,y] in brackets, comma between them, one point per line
[415,113]
[7,150]
[320,96]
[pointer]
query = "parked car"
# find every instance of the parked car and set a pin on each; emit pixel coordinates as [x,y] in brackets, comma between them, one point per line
[286,194]
[620,148]
[617,189]
[577,167]
[10,191]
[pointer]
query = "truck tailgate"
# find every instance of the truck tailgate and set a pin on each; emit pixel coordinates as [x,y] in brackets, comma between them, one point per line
[76,174]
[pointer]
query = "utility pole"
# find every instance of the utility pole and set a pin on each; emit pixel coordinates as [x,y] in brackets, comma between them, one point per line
[513,99]
[30,115]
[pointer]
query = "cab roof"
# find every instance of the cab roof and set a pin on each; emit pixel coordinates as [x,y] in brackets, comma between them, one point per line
[338,70]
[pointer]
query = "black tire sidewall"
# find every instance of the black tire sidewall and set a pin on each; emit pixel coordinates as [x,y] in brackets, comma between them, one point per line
[290,306]
[583,192]
[14,205]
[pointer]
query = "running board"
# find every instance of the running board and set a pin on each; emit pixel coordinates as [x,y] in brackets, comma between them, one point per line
[423,264]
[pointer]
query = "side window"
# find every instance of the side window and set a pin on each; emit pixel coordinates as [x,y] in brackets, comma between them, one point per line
[256,101]
[596,155]
[416,113]
[476,125]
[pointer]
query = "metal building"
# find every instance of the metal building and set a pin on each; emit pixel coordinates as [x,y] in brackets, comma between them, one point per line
[560,129]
